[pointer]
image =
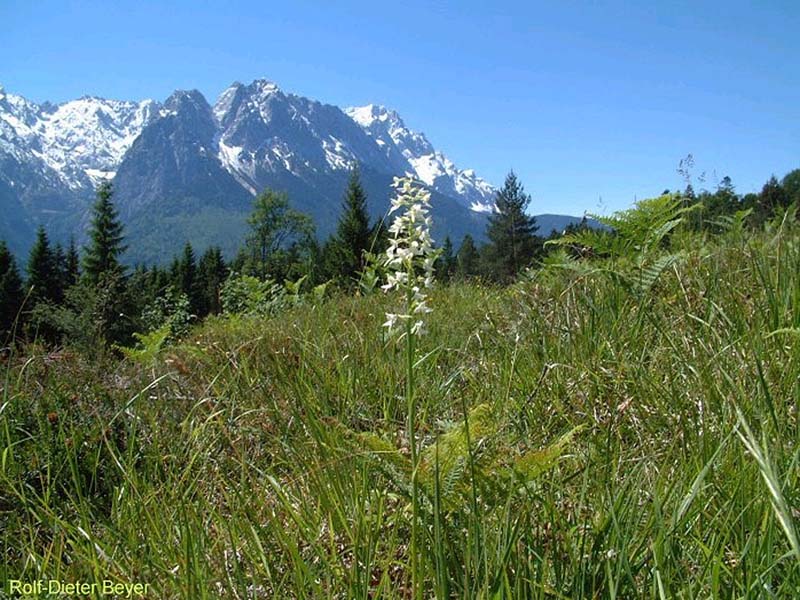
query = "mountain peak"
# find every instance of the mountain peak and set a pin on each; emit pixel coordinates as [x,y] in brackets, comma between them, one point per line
[265,85]
[370,113]
[432,167]
[185,99]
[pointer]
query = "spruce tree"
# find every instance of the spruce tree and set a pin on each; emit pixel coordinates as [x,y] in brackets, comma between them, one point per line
[60,264]
[109,301]
[512,233]
[187,277]
[467,258]
[211,274]
[43,277]
[353,235]
[772,197]
[71,265]
[446,263]
[105,246]
[11,294]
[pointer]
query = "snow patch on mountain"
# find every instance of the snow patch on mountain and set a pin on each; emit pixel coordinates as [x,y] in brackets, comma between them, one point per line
[231,159]
[79,139]
[91,135]
[432,167]
[337,155]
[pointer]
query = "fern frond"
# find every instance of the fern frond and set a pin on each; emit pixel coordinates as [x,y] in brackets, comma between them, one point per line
[534,463]
[650,273]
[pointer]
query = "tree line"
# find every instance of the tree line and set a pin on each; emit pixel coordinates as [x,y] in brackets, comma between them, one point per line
[89,298]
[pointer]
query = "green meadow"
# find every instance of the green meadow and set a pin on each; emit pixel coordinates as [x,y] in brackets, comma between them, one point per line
[618,423]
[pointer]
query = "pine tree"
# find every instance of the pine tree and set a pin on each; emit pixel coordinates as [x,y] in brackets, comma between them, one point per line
[105,247]
[772,196]
[467,259]
[109,300]
[446,263]
[43,277]
[187,278]
[71,265]
[353,235]
[11,294]
[512,233]
[60,264]
[211,274]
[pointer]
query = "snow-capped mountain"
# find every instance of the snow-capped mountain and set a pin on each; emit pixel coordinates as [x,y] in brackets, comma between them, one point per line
[264,130]
[184,169]
[82,140]
[411,150]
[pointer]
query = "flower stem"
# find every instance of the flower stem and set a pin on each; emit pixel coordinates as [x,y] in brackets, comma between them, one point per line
[411,403]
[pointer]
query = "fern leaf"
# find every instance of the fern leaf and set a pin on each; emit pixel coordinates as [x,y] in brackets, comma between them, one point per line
[532,464]
[652,272]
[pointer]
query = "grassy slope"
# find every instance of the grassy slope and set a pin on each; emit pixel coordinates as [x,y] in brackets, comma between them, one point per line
[233,467]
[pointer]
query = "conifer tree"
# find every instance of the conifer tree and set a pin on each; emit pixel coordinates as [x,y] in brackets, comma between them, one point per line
[239,264]
[379,238]
[43,277]
[772,196]
[60,265]
[105,246]
[187,277]
[467,258]
[109,303]
[353,235]
[11,294]
[71,265]
[512,233]
[211,274]
[446,263]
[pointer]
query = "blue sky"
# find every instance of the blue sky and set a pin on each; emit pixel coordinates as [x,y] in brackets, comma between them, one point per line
[584,100]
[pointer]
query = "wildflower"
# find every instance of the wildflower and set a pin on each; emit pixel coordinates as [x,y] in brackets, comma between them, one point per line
[411,255]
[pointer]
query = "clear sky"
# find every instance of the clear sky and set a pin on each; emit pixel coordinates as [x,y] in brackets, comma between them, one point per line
[584,100]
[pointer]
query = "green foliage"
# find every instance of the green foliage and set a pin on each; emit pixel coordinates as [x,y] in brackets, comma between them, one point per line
[270,456]
[274,453]
[373,275]
[171,309]
[512,233]
[633,232]
[148,345]
[791,186]
[43,279]
[11,294]
[467,259]
[187,281]
[101,258]
[211,273]
[71,269]
[278,236]
[346,249]
[91,318]
[634,243]
[446,263]
[478,448]
[246,295]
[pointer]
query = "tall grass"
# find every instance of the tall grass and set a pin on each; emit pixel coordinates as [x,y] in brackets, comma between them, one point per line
[271,457]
